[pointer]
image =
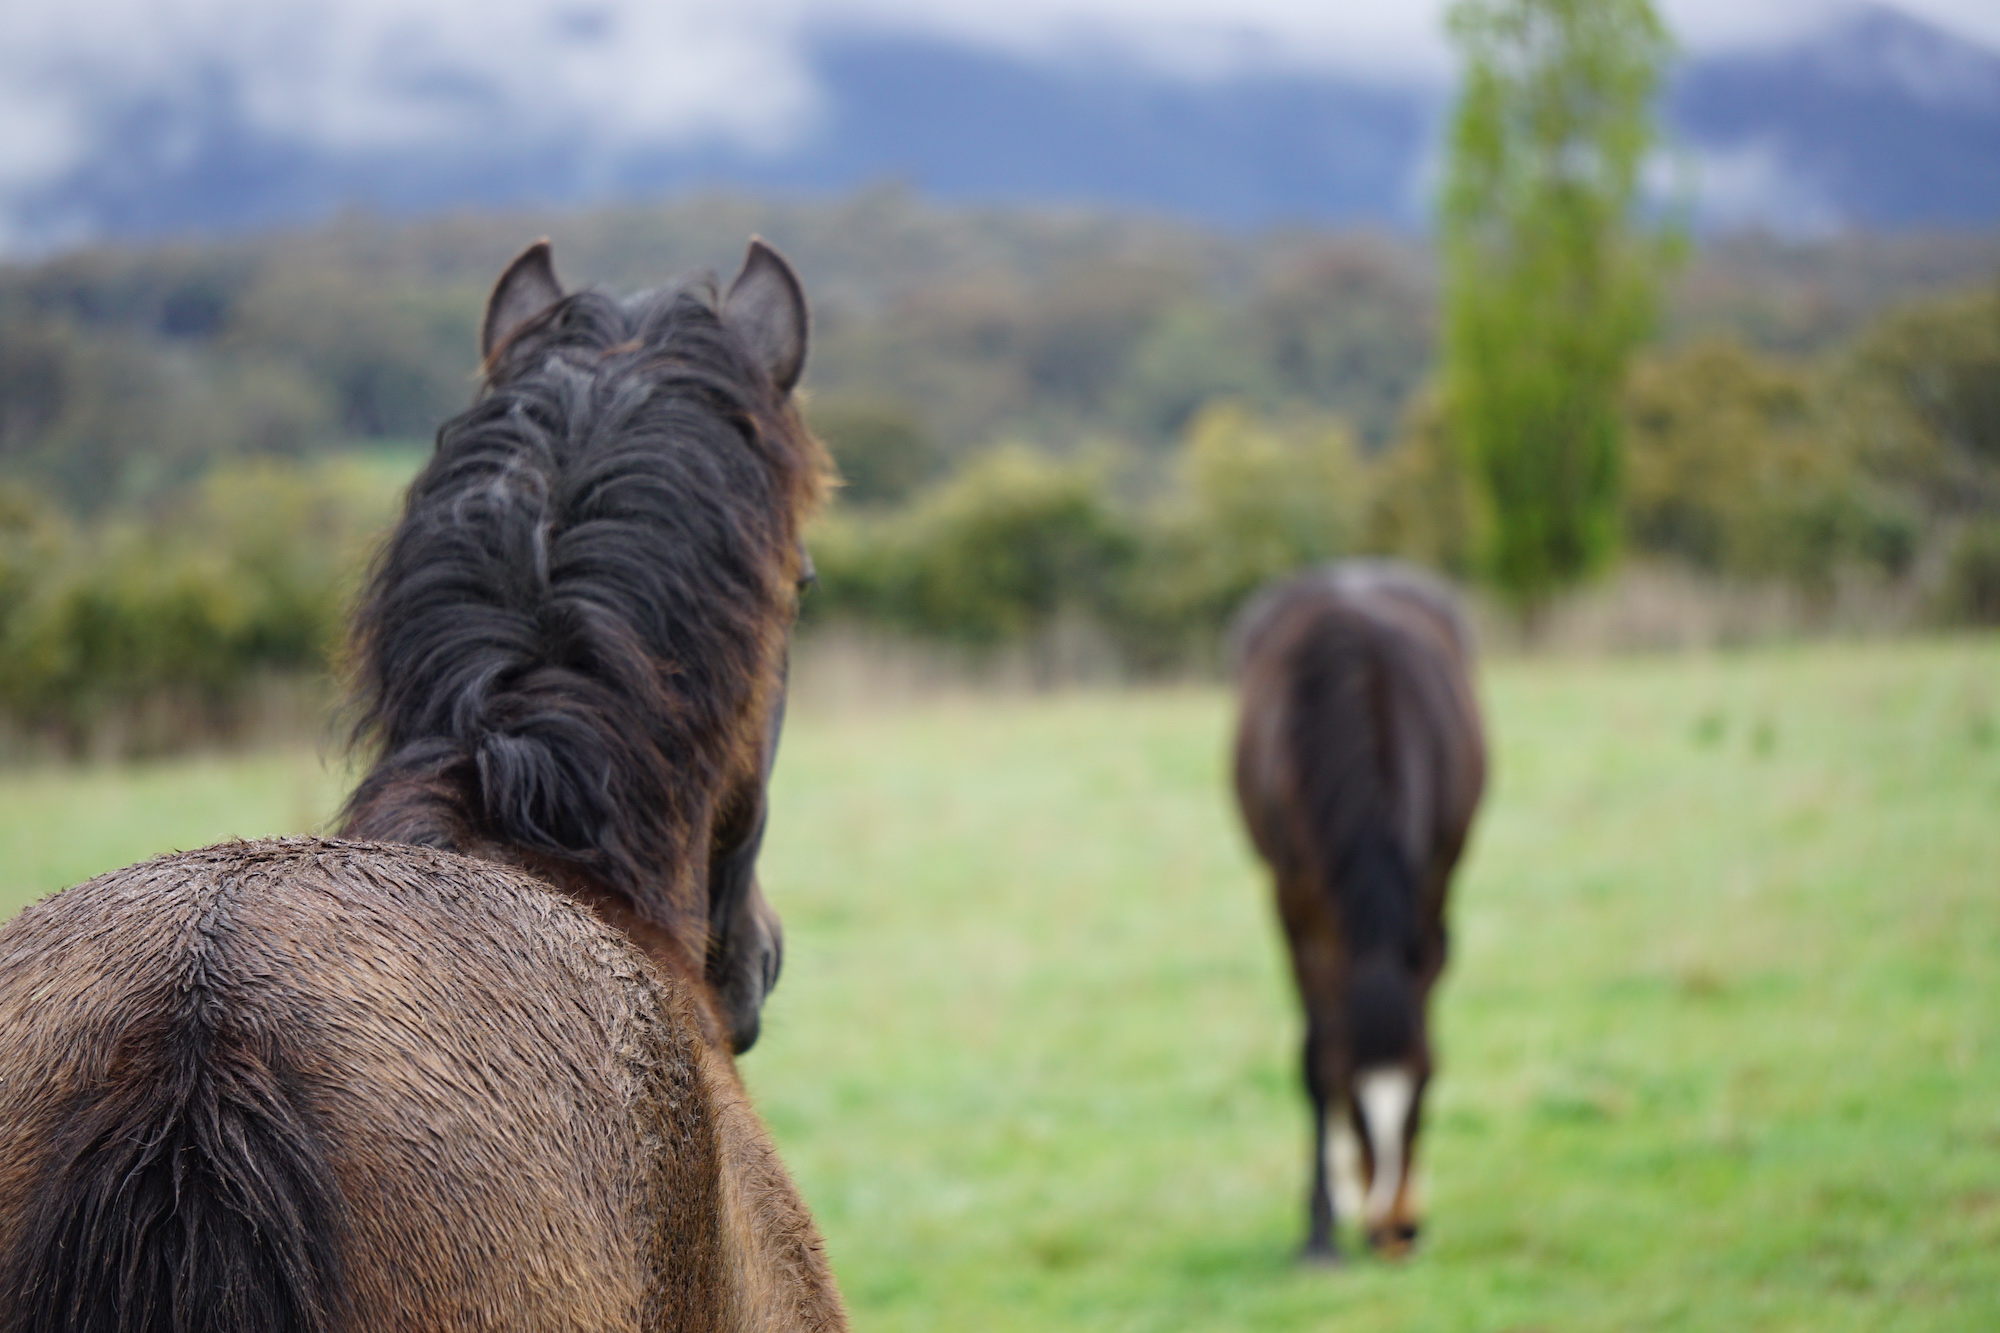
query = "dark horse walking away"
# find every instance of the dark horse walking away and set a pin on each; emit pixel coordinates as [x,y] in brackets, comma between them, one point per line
[1359,763]
[470,1070]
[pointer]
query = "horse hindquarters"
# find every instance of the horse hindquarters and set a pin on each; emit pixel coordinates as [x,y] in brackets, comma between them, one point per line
[521,1121]
[1357,766]
[171,1181]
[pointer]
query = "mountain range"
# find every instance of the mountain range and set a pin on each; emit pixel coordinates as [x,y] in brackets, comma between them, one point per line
[1876,121]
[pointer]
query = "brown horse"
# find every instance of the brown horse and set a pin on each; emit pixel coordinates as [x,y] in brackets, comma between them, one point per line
[1359,764]
[475,1073]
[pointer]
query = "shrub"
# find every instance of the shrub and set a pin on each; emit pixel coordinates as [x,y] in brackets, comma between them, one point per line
[1733,467]
[991,555]
[1972,578]
[1919,396]
[1016,540]
[1254,501]
[1421,503]
[247,575]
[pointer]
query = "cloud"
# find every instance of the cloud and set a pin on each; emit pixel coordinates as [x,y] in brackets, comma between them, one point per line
[1390,40]
[97,94]
[369,75]
[1200,38]
[1754,185]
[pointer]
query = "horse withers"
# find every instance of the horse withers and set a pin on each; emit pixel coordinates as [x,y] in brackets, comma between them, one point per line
[470,1068]
[1359,764]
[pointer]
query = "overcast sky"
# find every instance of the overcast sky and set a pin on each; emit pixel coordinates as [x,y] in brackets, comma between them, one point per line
[1404,34]
[368,74]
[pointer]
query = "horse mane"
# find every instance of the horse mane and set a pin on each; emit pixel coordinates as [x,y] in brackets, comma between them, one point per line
[586,594]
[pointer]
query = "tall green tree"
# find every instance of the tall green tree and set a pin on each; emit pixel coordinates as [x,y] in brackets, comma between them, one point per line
[1551,272]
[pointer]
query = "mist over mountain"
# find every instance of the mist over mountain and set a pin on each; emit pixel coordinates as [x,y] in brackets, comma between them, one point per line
[1878,121]
[1874,119]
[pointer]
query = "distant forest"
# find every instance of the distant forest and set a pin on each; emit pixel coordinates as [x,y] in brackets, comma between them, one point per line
[1045,422]
[939,332]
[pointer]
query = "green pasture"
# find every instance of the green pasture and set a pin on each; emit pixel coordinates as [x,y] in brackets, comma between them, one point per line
[1720,1043]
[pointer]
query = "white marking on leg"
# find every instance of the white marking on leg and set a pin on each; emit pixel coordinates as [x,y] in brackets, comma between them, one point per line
[1385,1096]
[1343,1155]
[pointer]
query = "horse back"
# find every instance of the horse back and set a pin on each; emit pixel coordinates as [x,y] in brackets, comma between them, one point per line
[1358,719]
[488,1110]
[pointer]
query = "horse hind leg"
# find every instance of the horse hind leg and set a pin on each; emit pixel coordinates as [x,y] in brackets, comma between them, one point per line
[1337,1178]
[1320,1247]
[1386,1099]
[1343,1151]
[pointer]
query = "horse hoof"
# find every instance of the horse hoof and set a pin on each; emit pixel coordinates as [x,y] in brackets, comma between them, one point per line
[1393,1242]
[1321,1256]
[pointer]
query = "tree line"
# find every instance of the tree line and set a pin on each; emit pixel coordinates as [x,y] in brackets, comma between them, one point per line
[1047,418]
[1878,458]
[1878,461]
[125,374]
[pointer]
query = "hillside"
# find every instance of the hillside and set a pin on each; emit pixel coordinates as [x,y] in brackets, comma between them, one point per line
[123,370]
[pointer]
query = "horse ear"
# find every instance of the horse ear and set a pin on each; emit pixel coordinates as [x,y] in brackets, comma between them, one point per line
[766,308]
[525,290]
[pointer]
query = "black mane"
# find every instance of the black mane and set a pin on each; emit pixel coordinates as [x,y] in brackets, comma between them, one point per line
[557,644]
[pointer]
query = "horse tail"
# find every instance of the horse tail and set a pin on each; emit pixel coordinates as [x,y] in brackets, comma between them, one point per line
[1345,763]
[190,1195]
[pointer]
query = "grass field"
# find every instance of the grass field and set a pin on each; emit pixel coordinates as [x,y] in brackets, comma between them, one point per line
[1720,1044]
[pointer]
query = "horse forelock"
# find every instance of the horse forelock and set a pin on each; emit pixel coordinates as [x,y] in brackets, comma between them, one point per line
[566,644]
